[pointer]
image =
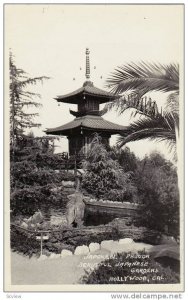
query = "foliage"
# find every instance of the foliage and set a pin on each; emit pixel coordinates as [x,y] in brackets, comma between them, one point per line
[26,174]
[147,128]
[145,77]
[157,184]
[114,271]
[103,175]
[127,159]
[139,79]
[35,183]
[20,100]
[26,200]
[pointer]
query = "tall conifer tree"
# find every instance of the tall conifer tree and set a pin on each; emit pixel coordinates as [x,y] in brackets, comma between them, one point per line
[20,100]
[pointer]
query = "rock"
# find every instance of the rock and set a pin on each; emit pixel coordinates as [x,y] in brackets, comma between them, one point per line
[68,183]
[58,220]
[37,217]
[167,250]
[165,239]
[94,247]
[126,241]
[24,225]
[81,250]
[133,247]
[87,198]
[108,245]
[65,253]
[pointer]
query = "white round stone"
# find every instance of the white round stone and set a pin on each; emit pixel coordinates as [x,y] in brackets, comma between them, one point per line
[94,247]
[54,255]
[65,253]
[81,250]
[126,241]
[108,245]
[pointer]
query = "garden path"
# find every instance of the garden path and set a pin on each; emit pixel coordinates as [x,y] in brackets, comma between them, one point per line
[68,270]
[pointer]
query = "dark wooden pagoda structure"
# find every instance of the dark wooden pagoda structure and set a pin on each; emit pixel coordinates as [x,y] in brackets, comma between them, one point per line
[88,120]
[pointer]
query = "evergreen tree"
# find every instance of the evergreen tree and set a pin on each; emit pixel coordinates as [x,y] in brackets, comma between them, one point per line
[104,177]
[20,100]
[32,161]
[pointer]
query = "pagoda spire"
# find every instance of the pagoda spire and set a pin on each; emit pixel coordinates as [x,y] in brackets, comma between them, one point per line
[87,64]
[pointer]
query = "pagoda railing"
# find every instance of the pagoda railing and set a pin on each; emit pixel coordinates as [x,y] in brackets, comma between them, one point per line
[72,162]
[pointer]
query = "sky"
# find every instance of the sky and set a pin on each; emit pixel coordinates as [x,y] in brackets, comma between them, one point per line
[51,40]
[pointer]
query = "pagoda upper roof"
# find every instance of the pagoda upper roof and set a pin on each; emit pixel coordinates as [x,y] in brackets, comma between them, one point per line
[87,89]
[87,122]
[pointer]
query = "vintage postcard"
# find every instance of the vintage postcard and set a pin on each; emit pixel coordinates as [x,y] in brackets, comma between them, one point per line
[94,135]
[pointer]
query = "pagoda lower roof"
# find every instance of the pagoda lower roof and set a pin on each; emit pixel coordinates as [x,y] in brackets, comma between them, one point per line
[87,122]
[87,89]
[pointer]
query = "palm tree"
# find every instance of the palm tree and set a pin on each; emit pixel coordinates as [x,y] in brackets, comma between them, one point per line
[136,80]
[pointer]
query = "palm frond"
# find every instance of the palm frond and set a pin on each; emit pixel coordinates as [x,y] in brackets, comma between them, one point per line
[142,105]
[145,77]
[157,134]
[172,108]
[147,128]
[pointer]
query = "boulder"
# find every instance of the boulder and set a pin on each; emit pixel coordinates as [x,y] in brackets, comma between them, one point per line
[81,250]
[126,241]
[167,250]
[132,247]
[94,247]
[32,226]
[65,253]
[24,225]
[37,217]
[108,245]
[165,239]
[58,220]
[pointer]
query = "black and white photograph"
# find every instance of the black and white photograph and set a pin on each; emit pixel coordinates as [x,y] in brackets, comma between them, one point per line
[94,135]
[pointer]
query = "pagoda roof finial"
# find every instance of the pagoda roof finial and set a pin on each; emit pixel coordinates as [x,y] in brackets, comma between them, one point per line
[87,64]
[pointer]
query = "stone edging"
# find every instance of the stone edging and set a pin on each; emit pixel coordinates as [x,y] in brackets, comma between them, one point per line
[85,250]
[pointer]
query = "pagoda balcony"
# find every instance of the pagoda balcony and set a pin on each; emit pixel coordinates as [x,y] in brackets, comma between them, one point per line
[85,112]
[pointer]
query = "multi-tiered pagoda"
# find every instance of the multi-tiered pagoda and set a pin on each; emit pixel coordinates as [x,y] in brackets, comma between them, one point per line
[88,121]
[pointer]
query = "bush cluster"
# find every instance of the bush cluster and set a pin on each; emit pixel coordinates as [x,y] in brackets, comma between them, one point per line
[104,177]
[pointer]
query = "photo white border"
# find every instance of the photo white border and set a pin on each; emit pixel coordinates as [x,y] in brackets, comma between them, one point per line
[114,288]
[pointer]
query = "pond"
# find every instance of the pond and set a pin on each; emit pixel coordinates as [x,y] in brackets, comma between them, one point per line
[93,216]
[98,216]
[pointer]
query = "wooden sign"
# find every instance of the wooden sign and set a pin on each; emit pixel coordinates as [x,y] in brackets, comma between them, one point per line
[43,237]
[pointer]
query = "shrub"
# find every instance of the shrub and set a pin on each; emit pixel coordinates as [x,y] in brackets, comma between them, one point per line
[158,189]
[103,175]
[26,201]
